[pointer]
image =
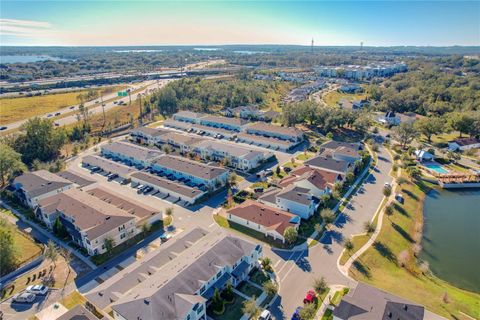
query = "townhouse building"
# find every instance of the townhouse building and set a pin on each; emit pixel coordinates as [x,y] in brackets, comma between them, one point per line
[190,171]
[129,153]
[293,199]
[31,187]
[319,182]
[273,131]
[88,220]
[239,157]
[327,163]
[179,281]
[146,135]
[188,116]
[233,124]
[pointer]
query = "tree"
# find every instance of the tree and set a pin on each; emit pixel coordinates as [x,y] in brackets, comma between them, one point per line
[59,229]
[146,228]
[403,258]
[109,244]
[424,267]
[232,180]
[369,227]
[327,216]
[430,126]
[266,264]
[462,122]
[308,311]
[348,244]
[401,180]
[277,171]
[270,288]
[318,227]
[389,210]
[39,140]
[413,172]
[250,308]
[405,133]
[51,252]
[387,190]
[290,234]
[7,249]
[10,163]
[169,211]
[217,301]
[320,285]
[228,292]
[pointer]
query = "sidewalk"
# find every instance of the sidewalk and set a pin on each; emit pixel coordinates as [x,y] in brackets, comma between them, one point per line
[326,301]
[49,236]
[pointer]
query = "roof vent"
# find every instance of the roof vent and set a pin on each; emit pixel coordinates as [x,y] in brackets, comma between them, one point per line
[147,301]
[107,218]
[405,307]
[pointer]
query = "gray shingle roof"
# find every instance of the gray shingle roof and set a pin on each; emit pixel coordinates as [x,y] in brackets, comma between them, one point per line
[265,127]
[171,293]
[168,184]
[40,182]
[132,150]
[190,167]
[368,303]
[108,165]
[326,163]
[78,313]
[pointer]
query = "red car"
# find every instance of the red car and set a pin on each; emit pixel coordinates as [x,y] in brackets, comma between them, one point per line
[310,297]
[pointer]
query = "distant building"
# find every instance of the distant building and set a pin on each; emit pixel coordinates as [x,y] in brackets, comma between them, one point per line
[390,119]
[147,135]
[423,155]
[464,144]
[362,72]
[367,302]
[32,187]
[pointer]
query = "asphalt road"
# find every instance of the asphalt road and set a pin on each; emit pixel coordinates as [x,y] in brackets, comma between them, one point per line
[61,121]
[297,270]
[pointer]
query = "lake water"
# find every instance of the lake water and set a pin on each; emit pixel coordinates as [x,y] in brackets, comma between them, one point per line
[451,238]
[27,58]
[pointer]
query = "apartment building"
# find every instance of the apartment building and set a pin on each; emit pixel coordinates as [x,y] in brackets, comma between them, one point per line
[293,199]
[89,220]
[32,187]
[233,124]
[266,142]
[342,151]
[270,221]
[178,140]
[188,116]
[327,163]
[147,135]
[189,171]
[129,153]
[319,182]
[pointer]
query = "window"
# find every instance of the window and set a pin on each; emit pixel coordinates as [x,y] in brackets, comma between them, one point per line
[122,236]
[200,309]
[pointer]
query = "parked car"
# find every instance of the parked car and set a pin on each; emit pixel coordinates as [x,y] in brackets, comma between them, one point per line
[57,114]
[72,107]
[147,190]
[37,289]
[24,297]
[112,176]
[3,128]
[265,315]
[56,124]
[296,314]
[49,115]
[399,197]
[310,297]
[165,237]
[287,169]
[95,169]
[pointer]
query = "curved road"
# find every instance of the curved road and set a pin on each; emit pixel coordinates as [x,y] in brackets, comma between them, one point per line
[297,270]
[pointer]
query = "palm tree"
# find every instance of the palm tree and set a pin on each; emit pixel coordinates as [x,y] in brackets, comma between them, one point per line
[266,263]
[169,211]
[270,288]
[51,253]
[327,215]
[250,308]
[348,244]
[389,210]
[320,285]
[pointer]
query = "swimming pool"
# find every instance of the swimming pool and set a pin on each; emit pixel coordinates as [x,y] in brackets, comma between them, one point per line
[436,167]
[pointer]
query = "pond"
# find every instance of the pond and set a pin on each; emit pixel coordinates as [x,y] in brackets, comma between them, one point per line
[451,236]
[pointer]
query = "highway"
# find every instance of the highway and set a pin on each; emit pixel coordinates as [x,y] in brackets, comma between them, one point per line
[62,119]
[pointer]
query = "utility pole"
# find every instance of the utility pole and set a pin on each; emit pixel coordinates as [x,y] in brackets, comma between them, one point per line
[311,48]
[103,110]
[140,116]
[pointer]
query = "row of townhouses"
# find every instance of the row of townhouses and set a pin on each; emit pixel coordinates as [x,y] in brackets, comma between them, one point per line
[258,133]
[178,281]
[240,158]
[298,195]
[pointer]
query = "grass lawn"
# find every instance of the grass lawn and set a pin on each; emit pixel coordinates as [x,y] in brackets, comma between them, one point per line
[249,290]
[290,165]
[303,156]
[328,315]
[260,184]
[73,299]
[25,247]
[332,98]
[232,311]
[378,265]
[16,109]
[358,242]
[337,297]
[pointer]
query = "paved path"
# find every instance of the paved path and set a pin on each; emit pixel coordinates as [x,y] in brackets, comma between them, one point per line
[297,270]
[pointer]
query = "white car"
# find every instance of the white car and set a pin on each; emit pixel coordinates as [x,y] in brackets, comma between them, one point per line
[37,289]
[24,297]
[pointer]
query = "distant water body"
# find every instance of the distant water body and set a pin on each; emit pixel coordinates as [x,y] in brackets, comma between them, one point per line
[451,236]
[28,58]
[136,51]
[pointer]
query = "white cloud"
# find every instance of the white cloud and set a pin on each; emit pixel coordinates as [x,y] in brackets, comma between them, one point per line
[24,28]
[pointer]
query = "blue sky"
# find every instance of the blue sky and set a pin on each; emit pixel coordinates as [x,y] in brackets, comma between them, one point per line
[376,23]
